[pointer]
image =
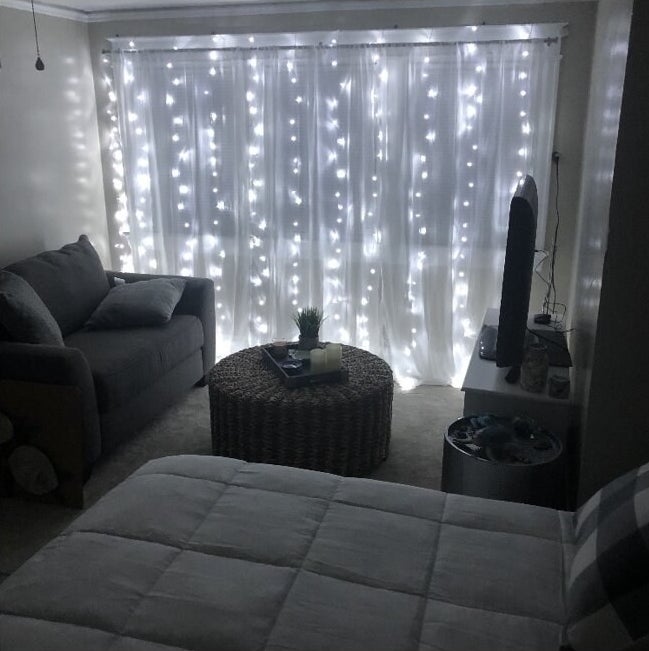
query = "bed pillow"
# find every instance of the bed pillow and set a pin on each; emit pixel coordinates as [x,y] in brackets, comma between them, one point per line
[23,315]
[608,588]
[142,303]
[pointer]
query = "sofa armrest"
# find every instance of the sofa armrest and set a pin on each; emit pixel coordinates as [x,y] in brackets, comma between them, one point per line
[61,366]
[197,300]
[49,395]
[46,364]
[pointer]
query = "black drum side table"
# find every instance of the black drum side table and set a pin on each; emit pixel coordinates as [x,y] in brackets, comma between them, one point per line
[504,458]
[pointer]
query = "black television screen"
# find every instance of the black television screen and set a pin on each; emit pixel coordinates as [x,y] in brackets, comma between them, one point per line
[517,276]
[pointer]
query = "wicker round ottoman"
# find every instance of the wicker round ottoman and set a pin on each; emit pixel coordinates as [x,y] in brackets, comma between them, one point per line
[342,428]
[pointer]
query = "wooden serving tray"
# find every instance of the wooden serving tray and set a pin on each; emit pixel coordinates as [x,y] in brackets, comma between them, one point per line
[302,377]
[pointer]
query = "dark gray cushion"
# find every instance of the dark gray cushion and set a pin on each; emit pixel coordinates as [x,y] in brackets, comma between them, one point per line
[23,315]
[608,588]
[5,335]
[125,362]
[71,282]
[144,303]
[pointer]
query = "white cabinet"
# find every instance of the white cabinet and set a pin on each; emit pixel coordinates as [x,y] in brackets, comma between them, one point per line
[486,391]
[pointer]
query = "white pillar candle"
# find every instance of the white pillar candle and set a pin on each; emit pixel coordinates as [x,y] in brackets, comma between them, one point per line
[318,360]
[334,355]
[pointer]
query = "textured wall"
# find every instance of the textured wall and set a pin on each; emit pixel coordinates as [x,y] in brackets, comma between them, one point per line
[50,172]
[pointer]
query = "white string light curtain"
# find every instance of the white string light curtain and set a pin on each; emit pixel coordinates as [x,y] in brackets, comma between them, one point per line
[366,174]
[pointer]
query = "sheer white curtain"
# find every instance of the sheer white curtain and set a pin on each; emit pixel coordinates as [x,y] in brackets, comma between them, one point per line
[371,180]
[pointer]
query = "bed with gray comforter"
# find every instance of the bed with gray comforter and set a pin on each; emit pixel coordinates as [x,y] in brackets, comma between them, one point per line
[209,554]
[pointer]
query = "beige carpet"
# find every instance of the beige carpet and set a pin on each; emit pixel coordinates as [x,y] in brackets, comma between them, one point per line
[420,418]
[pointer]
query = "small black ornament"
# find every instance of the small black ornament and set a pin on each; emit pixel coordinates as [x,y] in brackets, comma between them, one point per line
[39,62]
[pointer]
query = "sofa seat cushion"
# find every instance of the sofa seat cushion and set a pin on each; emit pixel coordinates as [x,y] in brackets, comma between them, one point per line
[199,552]
[124,362]
[70,281]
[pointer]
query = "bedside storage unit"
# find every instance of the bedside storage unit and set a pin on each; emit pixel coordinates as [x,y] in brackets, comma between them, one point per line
[487,392]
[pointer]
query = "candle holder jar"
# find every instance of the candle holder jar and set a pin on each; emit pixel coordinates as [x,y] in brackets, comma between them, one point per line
[559,386]
[534,369]
[279,349]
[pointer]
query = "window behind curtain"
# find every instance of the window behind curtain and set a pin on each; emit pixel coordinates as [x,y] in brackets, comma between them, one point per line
[371,179]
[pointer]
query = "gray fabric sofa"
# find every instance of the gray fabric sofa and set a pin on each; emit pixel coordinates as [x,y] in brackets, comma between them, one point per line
[79,400]
[203,553]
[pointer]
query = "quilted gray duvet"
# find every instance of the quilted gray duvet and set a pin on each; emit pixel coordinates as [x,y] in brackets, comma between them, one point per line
[215,554]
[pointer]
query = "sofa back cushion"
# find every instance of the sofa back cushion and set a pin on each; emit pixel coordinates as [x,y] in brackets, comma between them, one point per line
[71,282]
[608,587]
[23,315]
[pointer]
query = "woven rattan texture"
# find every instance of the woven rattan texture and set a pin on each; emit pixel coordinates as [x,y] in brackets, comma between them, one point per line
[342,428]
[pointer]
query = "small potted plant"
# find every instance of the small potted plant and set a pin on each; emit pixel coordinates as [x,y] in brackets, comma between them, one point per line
[308,321]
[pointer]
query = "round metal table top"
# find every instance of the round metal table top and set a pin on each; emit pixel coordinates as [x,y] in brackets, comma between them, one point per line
[513,441]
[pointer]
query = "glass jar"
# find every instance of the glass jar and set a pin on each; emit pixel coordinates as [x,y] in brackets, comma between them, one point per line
[534,369]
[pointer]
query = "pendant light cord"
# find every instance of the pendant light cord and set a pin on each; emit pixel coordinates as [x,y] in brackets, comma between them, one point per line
[39,62]
[38,50]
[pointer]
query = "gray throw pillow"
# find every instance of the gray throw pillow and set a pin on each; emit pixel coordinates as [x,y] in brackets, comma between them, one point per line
[142,303]
[23,315]
[70,281]
[608,589]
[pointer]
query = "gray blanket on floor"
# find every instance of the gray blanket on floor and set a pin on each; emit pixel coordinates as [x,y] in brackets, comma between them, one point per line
[208,553]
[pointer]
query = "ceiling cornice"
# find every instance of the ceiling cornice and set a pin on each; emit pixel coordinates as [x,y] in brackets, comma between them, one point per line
[254,7]
[46,9]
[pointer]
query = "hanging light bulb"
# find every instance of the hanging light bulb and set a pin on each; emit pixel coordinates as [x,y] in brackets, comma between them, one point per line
[39,62]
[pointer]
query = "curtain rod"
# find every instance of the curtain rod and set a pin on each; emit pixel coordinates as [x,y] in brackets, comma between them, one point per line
[325,46]
[426,36]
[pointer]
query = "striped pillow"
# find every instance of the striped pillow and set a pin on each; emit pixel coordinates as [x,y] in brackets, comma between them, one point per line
[608,588]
